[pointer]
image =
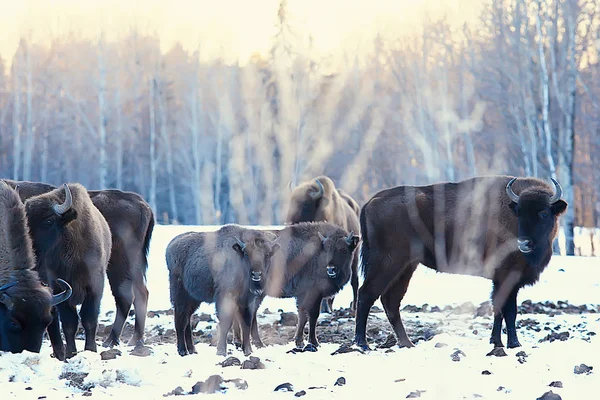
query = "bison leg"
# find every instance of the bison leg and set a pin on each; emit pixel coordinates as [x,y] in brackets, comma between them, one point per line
[58,347]
[327,305]
[123,294]
[498,306]
[302,319]
[89,319]
[354,282]
[391,300]
[255,334]
[189,340]
[313,316]
[237,333]
[225,322]
[246,322]
[70,321]
[510,317]
[183,330]
[140,304]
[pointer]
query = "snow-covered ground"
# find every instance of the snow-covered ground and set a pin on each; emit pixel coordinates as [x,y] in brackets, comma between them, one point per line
[427,368]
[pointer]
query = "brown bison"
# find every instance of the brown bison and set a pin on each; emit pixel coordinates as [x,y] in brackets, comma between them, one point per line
[227,267]
[314,262]
[131,222]
[25,303]
[319,200]
[497,227]
[72,241]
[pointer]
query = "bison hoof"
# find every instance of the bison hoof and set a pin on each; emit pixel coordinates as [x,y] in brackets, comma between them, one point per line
[111,342]
[258,344]
[300,345]
[496,342]
[363,346]
[310,347]
[182,352]
[137,342]
[221,352]
[513,343]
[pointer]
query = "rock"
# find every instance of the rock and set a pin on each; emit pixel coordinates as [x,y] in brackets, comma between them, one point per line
[390,341]
[230,362]
[267,312]
[435,309]
[399,380]
[485,372]
[253,363]
[582,369]
[562,336]
[521,357]
[211,385]
[414,395]
[549,396]
[28,388]
[288,319]
[300,393]
[341,381]
[205,318]
[485,309]
[178,391]
[284,387]
[466,308]
[375,310]
[457,355]
[344,348]
[497,352]
[439,345]
[316,387]
[110,354]
[556,384]
[141,351]
[310,348]
[239,383]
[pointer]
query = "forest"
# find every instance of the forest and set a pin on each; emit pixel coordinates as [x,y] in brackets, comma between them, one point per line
[212,142]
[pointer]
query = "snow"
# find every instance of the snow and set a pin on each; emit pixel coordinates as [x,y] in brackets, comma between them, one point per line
[425,368]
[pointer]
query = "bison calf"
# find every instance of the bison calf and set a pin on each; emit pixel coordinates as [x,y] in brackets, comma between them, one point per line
[72,241]
[25,304]
[314,263]
[227,267]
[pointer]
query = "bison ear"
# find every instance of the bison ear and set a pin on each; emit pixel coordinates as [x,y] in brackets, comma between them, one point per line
[69,216]
[238,248]
[274,248]
[514,207]
[354,242]
[7,301]
[559,207]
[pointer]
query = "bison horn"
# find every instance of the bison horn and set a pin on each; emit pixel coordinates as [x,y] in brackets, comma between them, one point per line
[323,238]
[242,244]
[319,194]
[290,186]
[349,238]
[8,286]
[509,191]
[60,209]
[558,194]
[6,299]
[62,296]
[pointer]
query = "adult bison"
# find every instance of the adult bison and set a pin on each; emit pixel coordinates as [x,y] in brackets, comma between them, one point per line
[314,262]
[131,222]
[226,267]
[25,304]
[497,227]
[319,200]
[72,241]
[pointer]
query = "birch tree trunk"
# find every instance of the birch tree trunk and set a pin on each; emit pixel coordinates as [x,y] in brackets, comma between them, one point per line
[162,107]
[16,119]
[119,139]
[152,190]
[29,138]
[102,119]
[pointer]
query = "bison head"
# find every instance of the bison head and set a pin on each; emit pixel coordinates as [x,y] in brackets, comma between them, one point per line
[339,250]
[25,313]
[537,211]
[257,252]
[305,202]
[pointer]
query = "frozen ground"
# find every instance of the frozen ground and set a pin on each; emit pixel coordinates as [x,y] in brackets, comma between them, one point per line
[554,343]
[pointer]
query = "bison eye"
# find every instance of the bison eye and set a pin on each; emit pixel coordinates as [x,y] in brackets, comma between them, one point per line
[14,324]
[48,222]
[344,251]
[543,214]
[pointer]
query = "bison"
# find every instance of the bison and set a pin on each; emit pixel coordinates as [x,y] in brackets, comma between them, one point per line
[227,267]
[72,241]
[25,303]
[314,262]
[319,200]
[131,223]
[496,227]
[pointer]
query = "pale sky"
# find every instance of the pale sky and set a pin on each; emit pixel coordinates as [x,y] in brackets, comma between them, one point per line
[233,28]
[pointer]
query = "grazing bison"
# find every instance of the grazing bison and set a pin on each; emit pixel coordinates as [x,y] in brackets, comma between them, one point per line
[497,227]
[72,241]
[314,262]
[131,222]
[319,200]
[25,304]
[227,267]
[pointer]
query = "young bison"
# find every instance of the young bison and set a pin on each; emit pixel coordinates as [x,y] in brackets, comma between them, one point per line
[226,267]
[314,263]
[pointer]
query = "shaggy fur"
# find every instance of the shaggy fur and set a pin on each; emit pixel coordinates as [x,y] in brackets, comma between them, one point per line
[470,228]
[76,247]
[309,269]
[22,326]
[333,206]
[131,222]
[207,267]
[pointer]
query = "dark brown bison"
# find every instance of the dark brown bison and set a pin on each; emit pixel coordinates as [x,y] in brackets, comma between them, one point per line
[25,304]
[314,262]
[227,267]
[131,222]
[319,200]
[72,241]
[497,227]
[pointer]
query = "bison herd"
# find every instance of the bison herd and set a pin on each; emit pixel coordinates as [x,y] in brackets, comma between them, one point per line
[57,244]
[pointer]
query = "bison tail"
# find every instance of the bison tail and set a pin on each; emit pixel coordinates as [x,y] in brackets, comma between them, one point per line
[364,247]
[147,238]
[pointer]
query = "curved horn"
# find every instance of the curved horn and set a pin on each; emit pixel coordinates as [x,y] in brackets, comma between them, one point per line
[64,295]
[558,194]
[290,186]
[511,194]
[60,209]
[242,244]
[323,238]
[349,238]
[320,193]
[8,286]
